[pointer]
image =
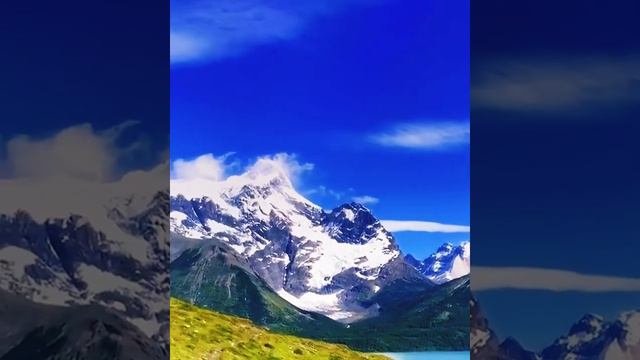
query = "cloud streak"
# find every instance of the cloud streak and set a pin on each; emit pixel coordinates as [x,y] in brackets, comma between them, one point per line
[424,136]
[423,226]
[554,84]
[205,30]
[366,199]
[523,278]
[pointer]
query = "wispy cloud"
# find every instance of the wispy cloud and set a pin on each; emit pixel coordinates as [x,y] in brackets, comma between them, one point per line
[57,155]
[209,30]
[366,199]
[197,176]
[324,191]
[424,136]
[554,84]
[493,278]
[205,167]
[287,164]
[423,226]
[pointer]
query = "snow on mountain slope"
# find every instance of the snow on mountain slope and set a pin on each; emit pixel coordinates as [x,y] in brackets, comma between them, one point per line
[449,262]
[592,337]
[318,261]
[73,242]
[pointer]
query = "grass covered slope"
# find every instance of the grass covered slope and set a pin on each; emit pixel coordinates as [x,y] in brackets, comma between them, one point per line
[413,319]
[214,276]
[199,334]
[413,316]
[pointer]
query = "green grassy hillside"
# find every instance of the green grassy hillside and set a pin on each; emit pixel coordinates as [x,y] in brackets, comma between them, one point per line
[413,317]
[198,334]
[435,319]
[213,276]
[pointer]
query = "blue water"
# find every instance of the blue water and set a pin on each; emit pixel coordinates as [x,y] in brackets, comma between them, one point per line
[432,355]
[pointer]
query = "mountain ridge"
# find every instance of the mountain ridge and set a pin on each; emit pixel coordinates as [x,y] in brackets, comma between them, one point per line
[325,262]
[110,249]
[447,263]
[590,338]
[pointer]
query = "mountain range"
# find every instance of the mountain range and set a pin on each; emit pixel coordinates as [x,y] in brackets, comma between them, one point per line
[590,338]
[86,272]
[252,246]
[447,263]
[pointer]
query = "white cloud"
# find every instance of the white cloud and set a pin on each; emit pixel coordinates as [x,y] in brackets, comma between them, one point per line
[424,136]
[78,170]
[423,226]
[206,30]
[206,167]
[197,177]
[492,278]
[78,152]
[284,163]
[553,84]
[218,29]
[365,199]
[186,47]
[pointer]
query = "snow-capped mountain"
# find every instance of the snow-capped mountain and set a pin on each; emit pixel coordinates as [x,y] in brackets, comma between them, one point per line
[325,262]
[594,338]
[65,249]
[447,263]
[590,338]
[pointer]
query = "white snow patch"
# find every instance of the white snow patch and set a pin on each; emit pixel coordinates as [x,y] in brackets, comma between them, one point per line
[61,197]
[326,304]
[178,216]
[631,321]
[99,281]
[349,214]
[55,291]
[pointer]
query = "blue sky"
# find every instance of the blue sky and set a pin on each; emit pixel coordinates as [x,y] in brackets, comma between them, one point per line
[375,94]
[70,65]
[555,167]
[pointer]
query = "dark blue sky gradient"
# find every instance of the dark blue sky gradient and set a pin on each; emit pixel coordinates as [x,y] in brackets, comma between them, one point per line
[71,62]
[556,188]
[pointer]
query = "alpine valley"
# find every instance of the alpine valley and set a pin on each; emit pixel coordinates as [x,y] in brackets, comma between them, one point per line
[252,246]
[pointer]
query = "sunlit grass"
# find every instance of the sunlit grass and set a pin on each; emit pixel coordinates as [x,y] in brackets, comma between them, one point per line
[199,334]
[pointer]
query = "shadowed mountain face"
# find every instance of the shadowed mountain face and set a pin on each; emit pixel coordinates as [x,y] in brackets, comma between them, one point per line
[590,338]
[212,275]
[37,331]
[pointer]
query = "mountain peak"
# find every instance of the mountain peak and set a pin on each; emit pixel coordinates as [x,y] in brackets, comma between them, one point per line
[270,173]
[446,247]
[448,262]
[354,223]
[310,257]
[268,176]
[588,323]
[353,212]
